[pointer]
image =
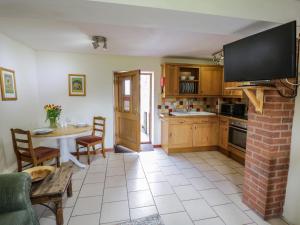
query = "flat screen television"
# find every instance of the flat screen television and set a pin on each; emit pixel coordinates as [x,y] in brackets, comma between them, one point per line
[267,55]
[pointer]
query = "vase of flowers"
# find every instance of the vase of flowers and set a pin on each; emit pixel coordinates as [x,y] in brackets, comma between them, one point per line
[53,113]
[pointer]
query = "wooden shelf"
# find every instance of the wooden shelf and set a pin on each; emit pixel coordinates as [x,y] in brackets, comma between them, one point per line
[255,95]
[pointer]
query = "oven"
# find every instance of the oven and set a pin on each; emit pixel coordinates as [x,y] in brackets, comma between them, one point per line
[237,134]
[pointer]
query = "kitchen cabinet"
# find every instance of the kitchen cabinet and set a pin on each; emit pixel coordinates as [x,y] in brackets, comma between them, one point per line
[223,133]
[211,80]
[188,134]
[180,135]
[171,78]
[187,80]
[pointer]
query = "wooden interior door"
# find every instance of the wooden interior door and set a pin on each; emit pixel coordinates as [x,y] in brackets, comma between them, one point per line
[127,109]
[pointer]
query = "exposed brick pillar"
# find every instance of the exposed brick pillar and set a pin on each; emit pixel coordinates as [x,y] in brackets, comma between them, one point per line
[267,155]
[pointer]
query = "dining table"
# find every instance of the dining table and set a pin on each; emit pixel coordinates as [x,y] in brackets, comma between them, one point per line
[63,136]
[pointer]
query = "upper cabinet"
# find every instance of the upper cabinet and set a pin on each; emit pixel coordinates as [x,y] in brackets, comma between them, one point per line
[211,80]
[183,80]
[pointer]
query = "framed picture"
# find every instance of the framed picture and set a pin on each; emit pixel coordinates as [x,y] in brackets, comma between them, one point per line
[8,84]
[77,85]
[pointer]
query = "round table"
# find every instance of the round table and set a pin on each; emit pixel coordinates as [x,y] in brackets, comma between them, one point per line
[62,135]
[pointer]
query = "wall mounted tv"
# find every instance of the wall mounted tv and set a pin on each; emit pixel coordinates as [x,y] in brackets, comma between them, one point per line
[267,55]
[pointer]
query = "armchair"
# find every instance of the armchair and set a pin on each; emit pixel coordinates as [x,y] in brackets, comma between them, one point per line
[15,204]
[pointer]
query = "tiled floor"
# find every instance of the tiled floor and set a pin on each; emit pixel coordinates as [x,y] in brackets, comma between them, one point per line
[201,188]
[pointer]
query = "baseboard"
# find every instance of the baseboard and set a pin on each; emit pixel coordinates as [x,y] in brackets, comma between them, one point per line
[191,149]
[156,146]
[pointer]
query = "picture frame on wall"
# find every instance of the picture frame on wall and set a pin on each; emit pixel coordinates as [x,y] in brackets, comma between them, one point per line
[77,85]
[8,84]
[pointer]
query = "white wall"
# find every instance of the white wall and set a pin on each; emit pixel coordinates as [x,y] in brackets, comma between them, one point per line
[53,70]
[23,112]
[292,202]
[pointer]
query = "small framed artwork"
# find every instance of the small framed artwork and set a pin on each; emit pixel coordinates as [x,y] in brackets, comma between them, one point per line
[8,84]
[77,85]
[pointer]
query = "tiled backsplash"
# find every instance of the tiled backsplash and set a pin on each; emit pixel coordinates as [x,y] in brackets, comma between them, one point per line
[208,104]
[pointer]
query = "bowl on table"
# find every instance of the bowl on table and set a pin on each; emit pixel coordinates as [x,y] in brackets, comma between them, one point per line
[80,124]
[43,131]
[39,173]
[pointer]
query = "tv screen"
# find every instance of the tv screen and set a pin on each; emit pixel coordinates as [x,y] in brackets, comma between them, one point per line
[264,56]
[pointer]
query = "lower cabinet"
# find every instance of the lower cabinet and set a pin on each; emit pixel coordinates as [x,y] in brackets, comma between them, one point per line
[183,134]
[180,135]
[223,133]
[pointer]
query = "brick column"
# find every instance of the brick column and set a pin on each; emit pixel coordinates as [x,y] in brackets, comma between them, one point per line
[267,155]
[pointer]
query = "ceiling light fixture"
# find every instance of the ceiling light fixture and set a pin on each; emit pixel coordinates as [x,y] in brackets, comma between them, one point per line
[99,39]
[218,57]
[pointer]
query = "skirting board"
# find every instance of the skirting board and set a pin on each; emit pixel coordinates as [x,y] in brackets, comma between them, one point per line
[196,149]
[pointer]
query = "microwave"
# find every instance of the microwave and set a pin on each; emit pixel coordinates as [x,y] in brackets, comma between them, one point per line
[237,110]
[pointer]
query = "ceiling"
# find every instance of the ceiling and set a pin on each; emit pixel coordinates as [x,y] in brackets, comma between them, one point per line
[67,26]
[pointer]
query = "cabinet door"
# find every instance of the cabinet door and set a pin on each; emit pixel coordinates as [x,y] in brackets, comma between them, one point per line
[171,80]
[205,134]
[223,136]
[211,80]
[180,135]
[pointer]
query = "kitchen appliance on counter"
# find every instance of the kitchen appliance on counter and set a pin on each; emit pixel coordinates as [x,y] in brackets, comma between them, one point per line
[234,110]
[238,134]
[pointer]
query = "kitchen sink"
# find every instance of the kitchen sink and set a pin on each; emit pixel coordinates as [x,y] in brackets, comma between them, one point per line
[192,113]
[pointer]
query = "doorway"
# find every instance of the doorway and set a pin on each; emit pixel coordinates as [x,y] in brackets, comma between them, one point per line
[146,107]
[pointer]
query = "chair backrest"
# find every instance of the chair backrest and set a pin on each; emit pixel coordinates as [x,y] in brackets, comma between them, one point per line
[22,143]
[99,126]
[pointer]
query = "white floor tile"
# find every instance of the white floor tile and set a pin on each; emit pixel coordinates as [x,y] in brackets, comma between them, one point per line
[115,194]
[180,218]
[156,177]
[187,193]
[170,170]
[198,209]
[201,183]
[94,178]
[137,185]
[115,171]
[114,211]
[90,205]
[256,218]
[161,188]
[214,197]
[115,181]
[177,180]
[202,167]
[135,174]
[140,199]
[76,184]
[191,173]
[92,219]
[227,187]
[214,176]
[212,221]
[235,178]
[142,212]
[225,169]
[168,204]
[70,201]
[237,199]
[88,190]
[232,215]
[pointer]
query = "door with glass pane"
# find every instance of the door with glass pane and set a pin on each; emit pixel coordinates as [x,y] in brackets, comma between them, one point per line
[127,106]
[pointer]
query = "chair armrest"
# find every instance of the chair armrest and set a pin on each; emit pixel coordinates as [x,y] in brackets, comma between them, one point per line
[14,192]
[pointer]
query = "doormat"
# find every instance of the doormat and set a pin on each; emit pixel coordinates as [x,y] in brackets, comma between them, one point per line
[149,220]
[122,149]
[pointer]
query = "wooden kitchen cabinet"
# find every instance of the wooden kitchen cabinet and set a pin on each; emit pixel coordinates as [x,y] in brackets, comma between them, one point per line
[223,133]
[211,80]
[205,134]
[180,135]
[171,80]
[189,134]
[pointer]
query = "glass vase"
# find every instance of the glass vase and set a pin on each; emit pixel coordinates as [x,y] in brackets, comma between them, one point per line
[53,122]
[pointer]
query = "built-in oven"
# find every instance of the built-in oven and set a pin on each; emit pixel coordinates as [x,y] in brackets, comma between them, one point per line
[237,134]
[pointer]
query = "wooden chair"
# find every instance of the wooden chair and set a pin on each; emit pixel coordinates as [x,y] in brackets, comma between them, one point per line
[97,138]
[25,152]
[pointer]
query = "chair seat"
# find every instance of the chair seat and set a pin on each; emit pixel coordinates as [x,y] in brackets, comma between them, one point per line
[88,140]
[43,152]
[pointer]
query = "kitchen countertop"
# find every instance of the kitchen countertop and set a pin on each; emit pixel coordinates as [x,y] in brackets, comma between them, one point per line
[167,116]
